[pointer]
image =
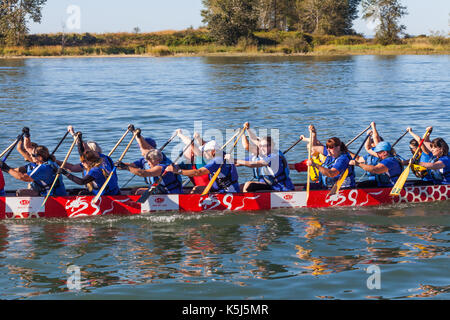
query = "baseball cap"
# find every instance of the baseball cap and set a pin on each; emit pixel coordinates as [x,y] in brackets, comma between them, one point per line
[382,146]
[211,145]
[151,142]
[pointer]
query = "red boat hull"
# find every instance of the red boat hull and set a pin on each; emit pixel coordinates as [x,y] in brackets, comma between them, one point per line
[80,206]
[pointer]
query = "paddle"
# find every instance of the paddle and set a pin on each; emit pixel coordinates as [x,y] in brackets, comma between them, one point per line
[213,179]
[57,175]
[341,180]
[149,191]
[402,179]
[359,135]
[289,149]
[11,147]
[129,129]
[60,142]
[308,181]
[398,140]
[102,189]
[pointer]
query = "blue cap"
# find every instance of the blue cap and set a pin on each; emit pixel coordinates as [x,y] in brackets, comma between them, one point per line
[151,142]
[382,146]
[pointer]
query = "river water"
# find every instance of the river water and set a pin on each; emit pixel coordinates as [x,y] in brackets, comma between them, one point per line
[397,252]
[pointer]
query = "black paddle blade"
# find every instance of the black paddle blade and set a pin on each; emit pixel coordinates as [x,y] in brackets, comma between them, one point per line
[145,195]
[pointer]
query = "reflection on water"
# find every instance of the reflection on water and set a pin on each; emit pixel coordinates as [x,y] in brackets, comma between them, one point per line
[291,251]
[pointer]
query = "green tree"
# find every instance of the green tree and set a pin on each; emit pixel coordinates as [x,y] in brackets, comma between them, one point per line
[333,17]
[387,13]
[229,20]
[14,15]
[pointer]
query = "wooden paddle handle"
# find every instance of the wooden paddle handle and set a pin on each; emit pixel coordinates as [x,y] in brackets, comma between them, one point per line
[120,140]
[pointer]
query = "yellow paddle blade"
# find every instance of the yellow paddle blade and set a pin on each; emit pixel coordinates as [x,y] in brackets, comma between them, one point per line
[400,182]
[100,192]
[337,186]
[211,182]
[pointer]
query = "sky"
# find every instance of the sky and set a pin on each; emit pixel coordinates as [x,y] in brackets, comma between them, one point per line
[100,16]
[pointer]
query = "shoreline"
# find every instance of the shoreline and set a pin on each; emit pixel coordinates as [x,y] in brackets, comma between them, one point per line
[229,54]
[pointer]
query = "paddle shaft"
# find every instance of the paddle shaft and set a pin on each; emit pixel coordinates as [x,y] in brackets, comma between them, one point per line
[213,179]
[359,135]
[308,181]
[118,142]
[297,142]
[11,147]
[398,140]
[62,167]
[60,142]
[102,189]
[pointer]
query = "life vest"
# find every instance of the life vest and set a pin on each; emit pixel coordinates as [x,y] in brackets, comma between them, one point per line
[419,171]
[112,188]
[280,180]
[170,183]
[43,182]
[373,161]
[329,182]
[314,172]
[441,176]
[389,179]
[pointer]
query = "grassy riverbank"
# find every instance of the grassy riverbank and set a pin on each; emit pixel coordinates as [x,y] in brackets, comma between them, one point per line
[198,42]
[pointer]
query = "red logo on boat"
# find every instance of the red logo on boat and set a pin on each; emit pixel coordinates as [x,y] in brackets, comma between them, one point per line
[288,197]
[24,202]
[159,200]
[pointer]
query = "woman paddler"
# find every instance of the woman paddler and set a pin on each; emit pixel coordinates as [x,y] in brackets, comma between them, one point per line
[269,164]
[95,173]
[439,166]
[155,167]
[425,155]
[40,173]
[227,180]
[386,171]
[335,164]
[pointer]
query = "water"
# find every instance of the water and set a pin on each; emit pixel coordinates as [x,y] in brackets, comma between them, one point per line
[281,254]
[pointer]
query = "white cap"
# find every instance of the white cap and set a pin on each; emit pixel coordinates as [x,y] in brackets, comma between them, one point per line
[211,145]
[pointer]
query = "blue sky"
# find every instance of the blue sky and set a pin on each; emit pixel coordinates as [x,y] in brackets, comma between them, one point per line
[98,16]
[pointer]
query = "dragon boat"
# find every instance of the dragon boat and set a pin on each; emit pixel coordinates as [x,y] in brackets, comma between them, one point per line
[73,206]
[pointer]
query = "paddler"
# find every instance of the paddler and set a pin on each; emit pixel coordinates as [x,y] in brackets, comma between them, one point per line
[155,167]
[96,171]
[227,180]
[439,166]
[425,156]
[335,164]
[40,173]
[386,171]
[269,164]
[194,159]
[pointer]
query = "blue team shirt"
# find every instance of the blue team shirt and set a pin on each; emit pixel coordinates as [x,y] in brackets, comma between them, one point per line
[43,176]
[275,163]
[394,171]
[341,164]
[99,179]
[228,170]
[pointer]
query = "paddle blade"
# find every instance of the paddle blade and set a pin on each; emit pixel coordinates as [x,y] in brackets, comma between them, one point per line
[211,182]
[400,182]
[144,196]
[337,186]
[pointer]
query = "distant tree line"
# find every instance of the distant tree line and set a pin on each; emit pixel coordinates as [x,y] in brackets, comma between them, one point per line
[230,20]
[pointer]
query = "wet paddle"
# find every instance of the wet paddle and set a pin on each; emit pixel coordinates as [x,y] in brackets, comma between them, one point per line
[102,189]
[57,175]
[402,179]
[213,179]
[149,191]
[337,186]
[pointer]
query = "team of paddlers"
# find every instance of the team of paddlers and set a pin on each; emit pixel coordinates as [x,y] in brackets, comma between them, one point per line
[209,167]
